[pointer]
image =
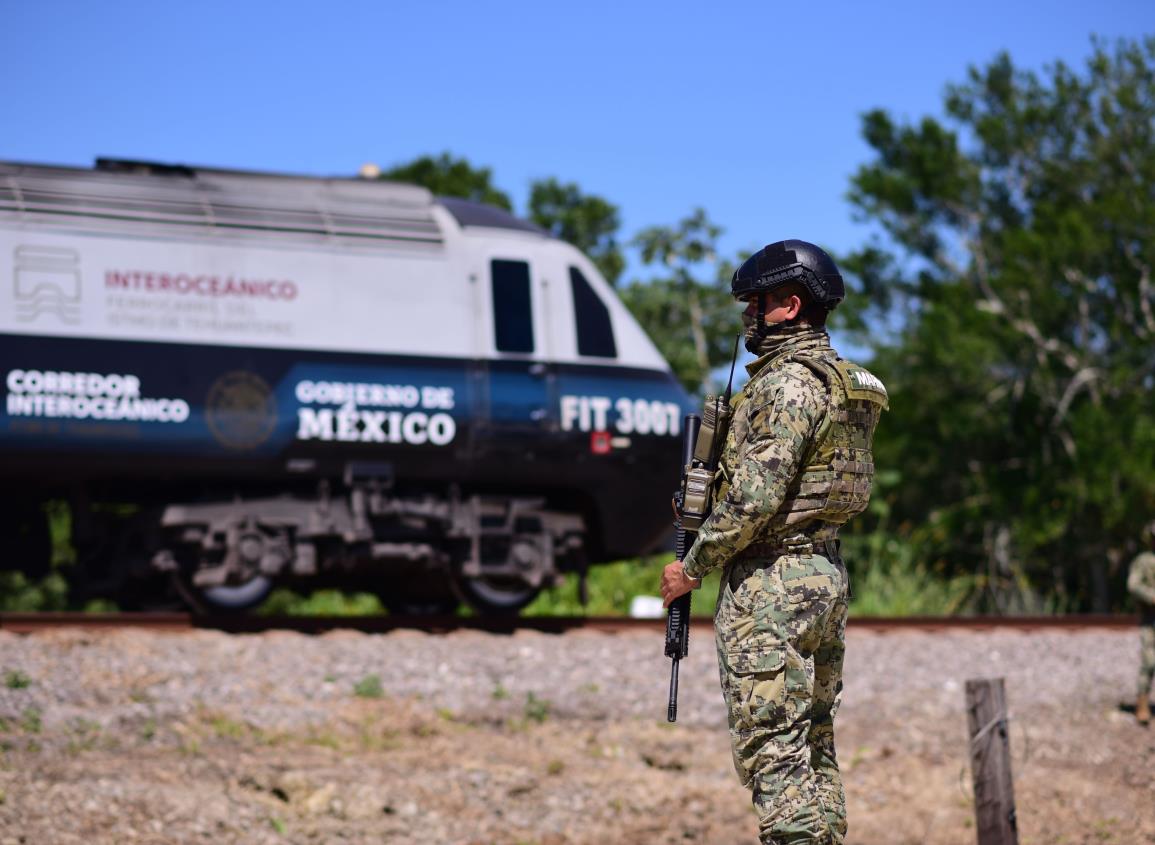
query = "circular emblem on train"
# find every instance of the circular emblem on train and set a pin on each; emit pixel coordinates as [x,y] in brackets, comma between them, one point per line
[240,410]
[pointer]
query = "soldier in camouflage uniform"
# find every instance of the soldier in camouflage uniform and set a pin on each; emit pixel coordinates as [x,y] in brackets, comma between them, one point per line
[796,464]
[1141,584]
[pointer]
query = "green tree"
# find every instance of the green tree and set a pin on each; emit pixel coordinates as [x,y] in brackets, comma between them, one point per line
[688,310]
[585,220]
[447,176]
[1021,242]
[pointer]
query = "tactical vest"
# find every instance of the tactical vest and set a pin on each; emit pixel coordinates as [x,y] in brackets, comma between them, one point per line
[834,482]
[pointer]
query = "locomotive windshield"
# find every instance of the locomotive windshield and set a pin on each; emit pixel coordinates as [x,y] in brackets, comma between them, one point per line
[595,331]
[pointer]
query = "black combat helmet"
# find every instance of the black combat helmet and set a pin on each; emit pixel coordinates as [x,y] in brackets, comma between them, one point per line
[791,261]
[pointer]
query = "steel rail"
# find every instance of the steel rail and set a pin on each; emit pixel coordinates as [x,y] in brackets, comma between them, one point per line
[27,623]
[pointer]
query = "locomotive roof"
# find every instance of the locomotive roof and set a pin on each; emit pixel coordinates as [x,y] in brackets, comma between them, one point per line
[171,197]
[349,208]
[469,213]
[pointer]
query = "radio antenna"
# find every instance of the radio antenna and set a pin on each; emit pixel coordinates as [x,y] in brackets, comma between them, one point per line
[720,403]
[733,361]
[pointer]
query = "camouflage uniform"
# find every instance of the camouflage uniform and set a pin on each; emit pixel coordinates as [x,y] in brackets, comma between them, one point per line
[1141,584]
[796,464]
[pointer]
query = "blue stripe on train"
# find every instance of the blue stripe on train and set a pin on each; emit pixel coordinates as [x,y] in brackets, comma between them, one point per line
[87,395]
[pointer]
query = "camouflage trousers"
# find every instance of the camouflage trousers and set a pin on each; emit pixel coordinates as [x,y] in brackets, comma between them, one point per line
[780,628]
[1146,657]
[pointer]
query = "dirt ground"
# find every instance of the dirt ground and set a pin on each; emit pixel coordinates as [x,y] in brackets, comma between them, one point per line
[117,738]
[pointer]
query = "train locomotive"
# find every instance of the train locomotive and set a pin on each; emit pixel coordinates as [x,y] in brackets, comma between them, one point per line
[235,380]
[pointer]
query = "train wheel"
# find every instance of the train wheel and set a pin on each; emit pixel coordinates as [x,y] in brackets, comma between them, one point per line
[232,576]
[238,596]
[509,575]
[231,598]
[497,595]
[241,591]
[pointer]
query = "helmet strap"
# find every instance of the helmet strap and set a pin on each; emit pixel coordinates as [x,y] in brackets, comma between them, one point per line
[769,329]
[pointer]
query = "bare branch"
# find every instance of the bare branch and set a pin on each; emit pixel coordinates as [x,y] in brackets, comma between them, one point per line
[1146,294]
[1068,443]
[1082,379]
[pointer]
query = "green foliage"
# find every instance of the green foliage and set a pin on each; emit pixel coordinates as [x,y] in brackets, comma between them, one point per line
[226,728]
[369,687]
[148,729]
[15,679]
[24,593]
[321,603]
[894,582]
[587,221]
[85,735]
[100,606]
[1018,277]
[31,721]
[687,309]
[889,576]
[451,177]
[60,530]
[536,709]
[20,595]
[612,587]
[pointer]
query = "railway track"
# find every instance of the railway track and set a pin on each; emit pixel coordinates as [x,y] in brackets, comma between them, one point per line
[28,623]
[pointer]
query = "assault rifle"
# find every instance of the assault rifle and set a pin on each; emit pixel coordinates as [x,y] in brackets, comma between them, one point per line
[678,620]
[692,504]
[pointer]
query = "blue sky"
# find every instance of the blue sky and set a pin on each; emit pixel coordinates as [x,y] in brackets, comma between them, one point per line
[748,109]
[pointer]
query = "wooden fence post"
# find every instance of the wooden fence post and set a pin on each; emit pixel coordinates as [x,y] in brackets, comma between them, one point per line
[990,753]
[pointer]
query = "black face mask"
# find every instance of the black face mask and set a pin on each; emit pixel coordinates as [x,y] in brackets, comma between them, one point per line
[751,333]
[756,332]
[773,335]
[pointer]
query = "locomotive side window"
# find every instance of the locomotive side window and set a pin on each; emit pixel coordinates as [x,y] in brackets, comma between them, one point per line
[512,307]
[595,331]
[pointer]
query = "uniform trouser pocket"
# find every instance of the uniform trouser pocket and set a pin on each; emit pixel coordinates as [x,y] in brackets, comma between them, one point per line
[767,692]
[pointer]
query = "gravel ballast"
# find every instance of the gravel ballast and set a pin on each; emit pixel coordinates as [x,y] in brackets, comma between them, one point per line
[472,738]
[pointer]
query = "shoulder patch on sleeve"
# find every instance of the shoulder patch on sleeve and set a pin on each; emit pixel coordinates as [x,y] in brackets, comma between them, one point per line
[862,384]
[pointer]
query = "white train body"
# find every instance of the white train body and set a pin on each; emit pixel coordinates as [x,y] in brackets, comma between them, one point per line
[178,338]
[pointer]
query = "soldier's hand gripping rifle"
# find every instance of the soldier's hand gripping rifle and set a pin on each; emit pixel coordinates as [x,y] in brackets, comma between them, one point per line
[692,504]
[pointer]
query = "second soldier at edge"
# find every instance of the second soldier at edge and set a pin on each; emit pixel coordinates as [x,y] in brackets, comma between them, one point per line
[795,465]
[1141,585]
